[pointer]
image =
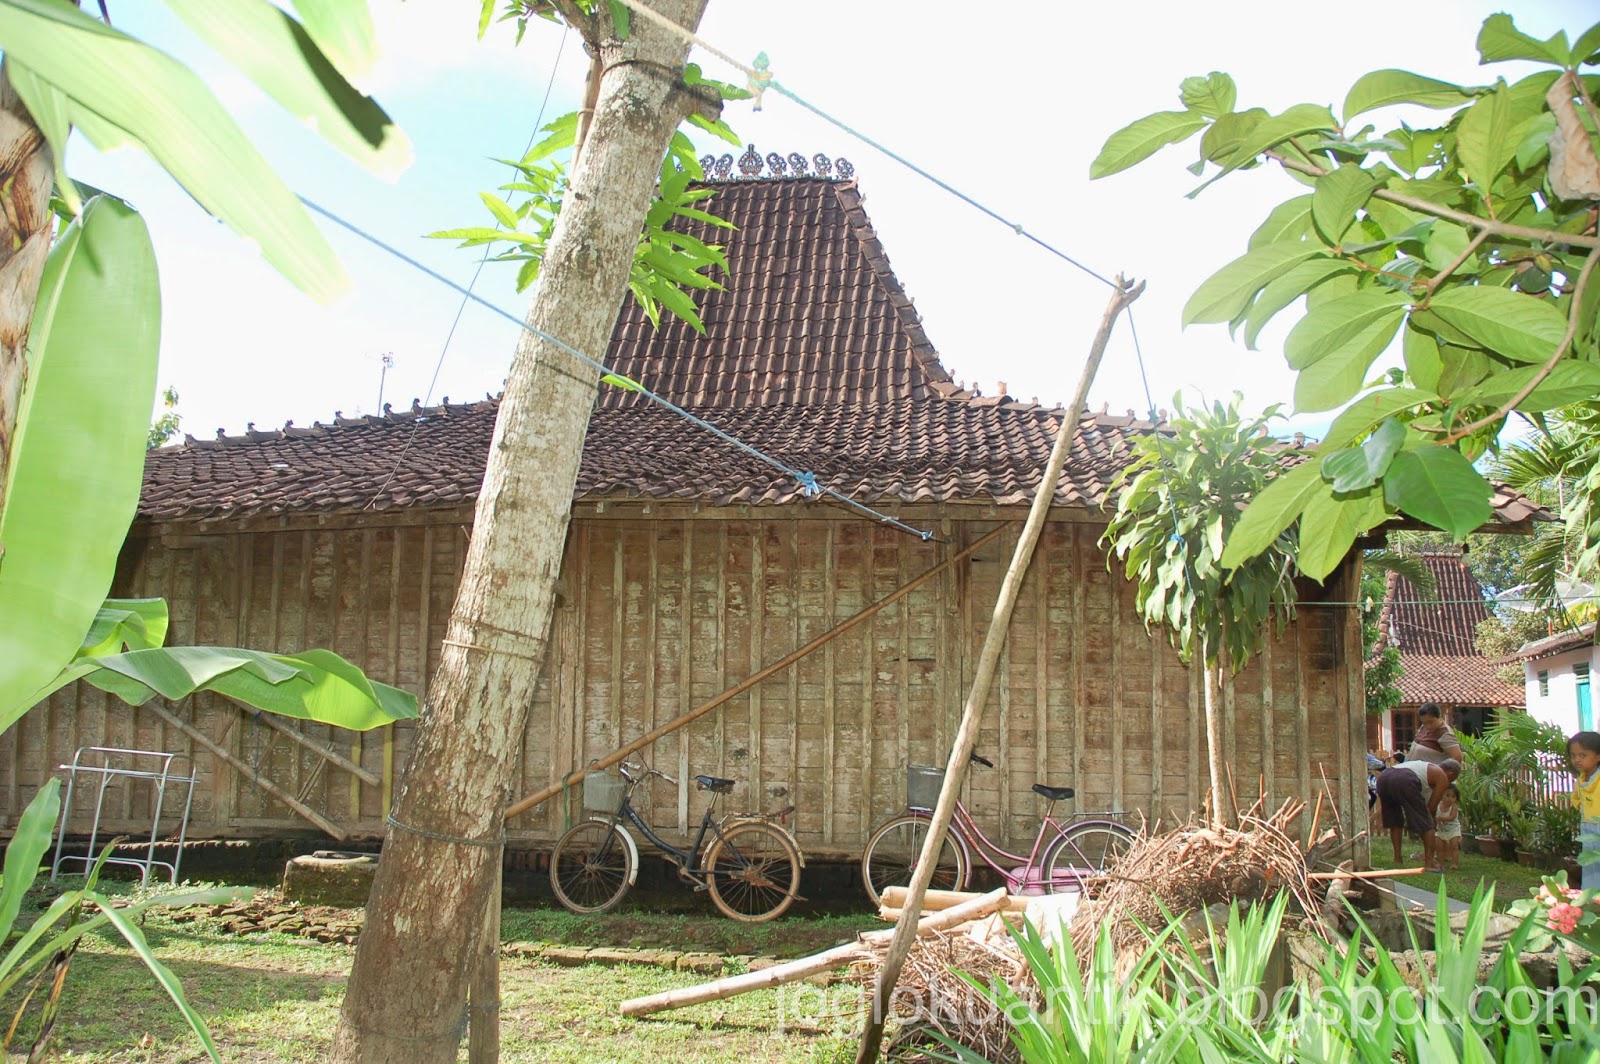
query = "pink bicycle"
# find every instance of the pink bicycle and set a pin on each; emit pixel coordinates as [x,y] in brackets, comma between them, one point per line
[1066,853]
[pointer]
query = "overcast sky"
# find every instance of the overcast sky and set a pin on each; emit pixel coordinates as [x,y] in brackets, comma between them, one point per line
[1009,109]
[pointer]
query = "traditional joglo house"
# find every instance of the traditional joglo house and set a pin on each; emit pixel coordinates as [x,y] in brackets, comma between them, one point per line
[690,565]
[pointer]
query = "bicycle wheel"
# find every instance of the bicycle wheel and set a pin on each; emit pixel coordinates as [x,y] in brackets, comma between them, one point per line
[755,871]
[892,853]
[592,867]
[1083,851]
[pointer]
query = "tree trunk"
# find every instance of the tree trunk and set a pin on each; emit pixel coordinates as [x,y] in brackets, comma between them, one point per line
[408,989]
[1219,796]
[26,173]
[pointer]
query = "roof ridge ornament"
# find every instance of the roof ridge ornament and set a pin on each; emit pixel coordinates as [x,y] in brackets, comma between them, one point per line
[751,164]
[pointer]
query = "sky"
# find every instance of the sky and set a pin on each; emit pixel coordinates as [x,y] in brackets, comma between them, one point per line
[1009,110]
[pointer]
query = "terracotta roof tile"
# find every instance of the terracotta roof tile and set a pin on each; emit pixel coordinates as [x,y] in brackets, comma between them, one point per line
[1437,637]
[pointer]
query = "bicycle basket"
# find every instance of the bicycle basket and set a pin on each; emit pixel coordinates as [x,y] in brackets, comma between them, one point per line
[923,784]
[602,792]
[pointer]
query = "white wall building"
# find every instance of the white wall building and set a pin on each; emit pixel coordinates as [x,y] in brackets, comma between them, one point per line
[1557,670]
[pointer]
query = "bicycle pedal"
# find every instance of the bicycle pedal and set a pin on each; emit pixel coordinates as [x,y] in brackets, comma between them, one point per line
[698,887]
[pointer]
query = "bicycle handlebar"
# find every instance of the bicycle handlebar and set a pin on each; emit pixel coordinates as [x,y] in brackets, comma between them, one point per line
[638,772]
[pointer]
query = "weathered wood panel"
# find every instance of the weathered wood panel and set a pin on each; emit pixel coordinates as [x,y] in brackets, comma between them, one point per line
[660,611]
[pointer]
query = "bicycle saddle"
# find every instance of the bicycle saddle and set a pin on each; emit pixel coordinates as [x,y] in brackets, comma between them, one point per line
[1055,794]
[713,784]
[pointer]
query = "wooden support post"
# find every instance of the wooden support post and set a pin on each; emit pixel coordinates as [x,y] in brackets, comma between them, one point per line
[247,772]
[271,721]
[483,1001]
[740,688]
[988,661]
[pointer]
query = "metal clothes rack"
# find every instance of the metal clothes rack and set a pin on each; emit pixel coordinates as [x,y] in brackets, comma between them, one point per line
[115,763]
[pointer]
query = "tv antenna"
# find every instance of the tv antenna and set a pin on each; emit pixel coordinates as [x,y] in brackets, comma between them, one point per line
[386,361]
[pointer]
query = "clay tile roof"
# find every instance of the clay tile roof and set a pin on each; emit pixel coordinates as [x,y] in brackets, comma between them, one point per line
[813,354]
[1436,637]
[1561,642]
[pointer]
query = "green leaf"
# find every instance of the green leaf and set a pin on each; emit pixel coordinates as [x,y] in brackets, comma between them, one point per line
[169,982]
[134,624]
[1335,344]
[1489,135]
[1423,362]
[120,91]
[1269,514]
[1330,524]
[27,848]
[1227,292]
[621,18]
[1384,87]
[1513,325]
[1286,288]
[1370,409]
[1213,95]
[1587,49]
[80,443]
[1268,133]
[617,380]
[280,56]
[1338,197]
[1139,140]
[1568,382]
[1289,221]
[316,685]
[1356,468]
[343,30]
[1226,135]
[1437,485]
[1499,40]
[500,209]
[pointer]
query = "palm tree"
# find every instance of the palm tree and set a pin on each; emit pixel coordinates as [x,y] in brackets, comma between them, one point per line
[1558,467]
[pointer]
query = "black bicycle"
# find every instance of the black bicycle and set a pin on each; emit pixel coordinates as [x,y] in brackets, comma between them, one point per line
[752,863]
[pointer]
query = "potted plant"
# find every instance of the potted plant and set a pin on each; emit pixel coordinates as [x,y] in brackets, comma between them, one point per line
[1524,826]
[1509,814]
[1558,834]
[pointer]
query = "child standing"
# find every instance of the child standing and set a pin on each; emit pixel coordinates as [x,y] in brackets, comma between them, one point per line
[1447,829]
[1583,750]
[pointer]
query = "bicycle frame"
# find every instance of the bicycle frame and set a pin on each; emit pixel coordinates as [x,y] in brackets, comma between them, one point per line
[687,860]
[1023,874]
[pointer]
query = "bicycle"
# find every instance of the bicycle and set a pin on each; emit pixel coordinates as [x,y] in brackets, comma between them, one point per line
[752,863]
[1066,853]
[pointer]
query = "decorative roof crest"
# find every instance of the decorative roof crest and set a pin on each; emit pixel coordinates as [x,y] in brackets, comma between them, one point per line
[750,166]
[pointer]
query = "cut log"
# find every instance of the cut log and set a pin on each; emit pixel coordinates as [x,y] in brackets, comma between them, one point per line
[1371,873]
[1333,903]
[938,900]
[979,905]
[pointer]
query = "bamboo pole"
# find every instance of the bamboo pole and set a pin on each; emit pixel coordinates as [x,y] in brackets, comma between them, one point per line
[1370,873]
[271,721]
[977,906]
[939,900]
[740,688]
[249,773]
[483,996]
[993,641]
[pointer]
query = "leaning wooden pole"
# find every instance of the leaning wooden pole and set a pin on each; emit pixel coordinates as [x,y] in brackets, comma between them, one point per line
[744,685]
[988,663]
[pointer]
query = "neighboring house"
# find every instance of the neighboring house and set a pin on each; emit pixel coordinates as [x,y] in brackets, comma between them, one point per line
[1558,672]
[1436,637]
[690,565]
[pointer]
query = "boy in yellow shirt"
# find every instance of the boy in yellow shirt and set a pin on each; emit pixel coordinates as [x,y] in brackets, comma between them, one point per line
[1583,751]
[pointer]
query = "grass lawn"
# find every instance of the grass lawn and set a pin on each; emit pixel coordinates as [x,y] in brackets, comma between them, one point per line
[271,998]
[1510,880]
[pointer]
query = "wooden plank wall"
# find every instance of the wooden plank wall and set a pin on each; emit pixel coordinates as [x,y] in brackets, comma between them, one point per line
[659,614]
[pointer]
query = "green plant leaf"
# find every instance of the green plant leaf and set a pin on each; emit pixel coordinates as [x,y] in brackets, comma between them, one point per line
[1488,137]
[1499,40]
[343,30]
[280,56]
[135,624]
[1330,524]
[1384,87]
[1269,514]
[1213,95]
[121,92]
[1423,362]
[1569,381]
[1338,197]
[1269,132]
[1335,344]
[315,685]
[1357,468]
[1139,140]
[618,380]
[1286,288]
[1289,221]
[169,982]
[621,18]
[80,443]
[1227,292]
[500,209]
[1587,48]
[1437,485]
[1370,409]
[28,845]
[1515,326]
